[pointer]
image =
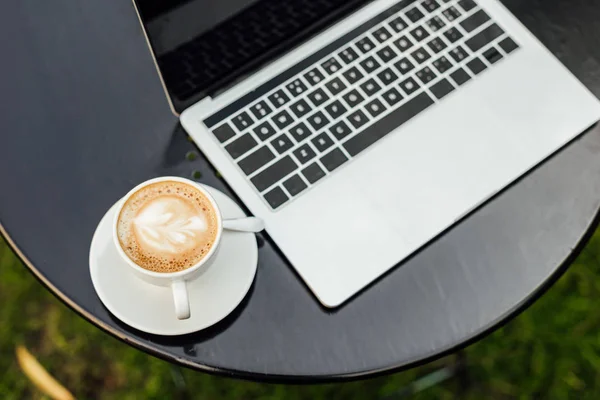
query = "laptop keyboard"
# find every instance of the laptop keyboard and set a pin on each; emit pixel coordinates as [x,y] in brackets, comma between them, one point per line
[292,132]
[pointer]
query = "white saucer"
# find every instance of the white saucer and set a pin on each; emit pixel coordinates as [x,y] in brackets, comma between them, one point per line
[213,295]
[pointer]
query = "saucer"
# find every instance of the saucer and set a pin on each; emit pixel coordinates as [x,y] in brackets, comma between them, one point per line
[213,295]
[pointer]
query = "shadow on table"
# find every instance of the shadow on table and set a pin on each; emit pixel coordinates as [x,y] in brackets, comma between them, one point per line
[188,341]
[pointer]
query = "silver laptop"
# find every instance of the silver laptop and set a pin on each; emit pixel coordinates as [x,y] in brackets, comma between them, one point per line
[359,130]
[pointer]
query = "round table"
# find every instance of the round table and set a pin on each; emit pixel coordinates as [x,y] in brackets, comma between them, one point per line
[84,119]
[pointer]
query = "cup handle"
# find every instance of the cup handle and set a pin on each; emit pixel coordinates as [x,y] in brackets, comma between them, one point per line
[248,224]
[181,299]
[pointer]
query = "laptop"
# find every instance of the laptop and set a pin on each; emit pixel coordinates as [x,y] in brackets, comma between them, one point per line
[361,130]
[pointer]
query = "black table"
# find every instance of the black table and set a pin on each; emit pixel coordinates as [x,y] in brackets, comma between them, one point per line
[84,118]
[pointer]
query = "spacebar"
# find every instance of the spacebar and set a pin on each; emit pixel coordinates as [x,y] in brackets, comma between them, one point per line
[386,125]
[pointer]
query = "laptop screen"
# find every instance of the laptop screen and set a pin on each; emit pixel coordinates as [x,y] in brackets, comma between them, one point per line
[203,46]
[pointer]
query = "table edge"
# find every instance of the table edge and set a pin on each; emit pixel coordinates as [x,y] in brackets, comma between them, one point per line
[307,379]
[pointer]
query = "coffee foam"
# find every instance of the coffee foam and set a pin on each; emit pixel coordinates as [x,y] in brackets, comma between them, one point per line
[167,226]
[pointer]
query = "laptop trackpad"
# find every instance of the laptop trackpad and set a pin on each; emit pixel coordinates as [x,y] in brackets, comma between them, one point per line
[349,239]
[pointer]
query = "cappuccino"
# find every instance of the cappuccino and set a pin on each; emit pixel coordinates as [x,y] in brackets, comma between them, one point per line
[167,226]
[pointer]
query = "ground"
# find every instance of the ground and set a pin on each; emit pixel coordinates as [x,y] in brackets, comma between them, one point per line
[550,351]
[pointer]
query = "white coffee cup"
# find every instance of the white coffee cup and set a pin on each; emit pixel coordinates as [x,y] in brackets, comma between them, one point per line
[177,280]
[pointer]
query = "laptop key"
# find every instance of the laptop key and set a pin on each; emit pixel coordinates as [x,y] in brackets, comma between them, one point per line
[476,65]
[426,75]
[333,159]
[331,66]
[414,15]
[224,132]
[264,130]
[467,5]
[318,120]
[421,55]
[340,130]
[387,76]
[358,119]
[392,96]
[436,45]
[335,109]
[365,45]
[375,107]
[314,76]
[294,185]
[453,35]
[404,66]
[403,43]
[442,64]
[419,33]
[282,143]
[484,37]
[260,110]
[335,86]
[348,55]
[322,142]
[369,64]
[241,146]
[451,13]
[387,124]
[276,197]
[381,34]
[492,55]
[255,160]
[387,54]
[300,132]
[475,21]
[242,121]
[436,23]
[296,87]
[353,98]
[441,88]
[459,54]
[318,97]
[279,98]
[508,45]
[300,108]
[370,87]
[430,5]
[409,86]
[282,119]
[398,24]
[274,173]
[460,76]
[304,153]
[313,173]
[353,75]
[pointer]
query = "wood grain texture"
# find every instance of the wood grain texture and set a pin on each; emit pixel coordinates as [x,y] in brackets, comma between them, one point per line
[84,119]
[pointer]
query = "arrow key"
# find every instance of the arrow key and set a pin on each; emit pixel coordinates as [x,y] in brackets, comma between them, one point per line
[281,143]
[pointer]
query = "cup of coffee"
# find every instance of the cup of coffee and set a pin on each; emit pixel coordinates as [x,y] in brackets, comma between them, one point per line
[168,230]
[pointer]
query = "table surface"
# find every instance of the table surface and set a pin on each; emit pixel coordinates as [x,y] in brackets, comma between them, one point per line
[84,119]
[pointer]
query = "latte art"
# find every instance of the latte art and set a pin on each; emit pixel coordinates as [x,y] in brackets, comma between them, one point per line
[168,226]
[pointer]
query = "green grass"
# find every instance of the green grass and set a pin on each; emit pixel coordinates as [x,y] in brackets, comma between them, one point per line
[551,351]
